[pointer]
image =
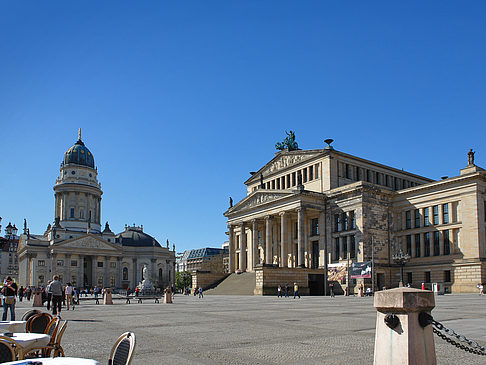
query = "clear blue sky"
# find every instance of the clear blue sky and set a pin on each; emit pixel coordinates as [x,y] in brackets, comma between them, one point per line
[178,101]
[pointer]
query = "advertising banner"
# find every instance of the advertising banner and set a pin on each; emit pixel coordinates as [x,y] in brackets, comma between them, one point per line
[360,270]
[336,272]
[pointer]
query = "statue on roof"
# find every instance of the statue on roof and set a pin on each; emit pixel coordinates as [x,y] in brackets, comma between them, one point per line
[288,143]
[231,202]
[470,157]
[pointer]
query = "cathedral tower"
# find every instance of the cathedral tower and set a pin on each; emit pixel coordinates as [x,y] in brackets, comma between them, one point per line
[77,191]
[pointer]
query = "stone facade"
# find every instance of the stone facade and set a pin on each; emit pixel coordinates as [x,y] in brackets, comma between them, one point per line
[75,247]
[308,209]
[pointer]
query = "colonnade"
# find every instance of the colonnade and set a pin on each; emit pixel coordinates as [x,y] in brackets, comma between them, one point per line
[282,239]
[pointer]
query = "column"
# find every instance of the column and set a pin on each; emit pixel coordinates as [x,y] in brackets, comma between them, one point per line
[283,240]
[268,240]
[290,241]
[134,282]
[300,237]
[231,253]
[119,273]
[242,247]
[80,282]
[94,271]
[254,240]
[106,274]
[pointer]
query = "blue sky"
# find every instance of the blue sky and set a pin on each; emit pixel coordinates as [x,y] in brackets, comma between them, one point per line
[178,101]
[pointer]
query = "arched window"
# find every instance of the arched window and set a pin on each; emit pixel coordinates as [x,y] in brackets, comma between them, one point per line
[160,275]
[125,273]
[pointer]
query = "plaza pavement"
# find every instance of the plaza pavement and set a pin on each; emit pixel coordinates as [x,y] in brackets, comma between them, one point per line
[255,330]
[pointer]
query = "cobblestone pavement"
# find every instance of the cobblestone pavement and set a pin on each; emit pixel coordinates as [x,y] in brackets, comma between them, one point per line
[255,330]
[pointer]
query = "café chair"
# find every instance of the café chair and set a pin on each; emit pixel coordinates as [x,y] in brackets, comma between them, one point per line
[30,313]
[10,350]
[122,351]
[54,346]
[38,323]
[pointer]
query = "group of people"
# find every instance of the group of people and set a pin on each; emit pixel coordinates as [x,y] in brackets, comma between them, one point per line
[284,290]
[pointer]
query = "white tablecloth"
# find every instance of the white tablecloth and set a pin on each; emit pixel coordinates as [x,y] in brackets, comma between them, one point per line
[28,340]
[12,326]
[57,361]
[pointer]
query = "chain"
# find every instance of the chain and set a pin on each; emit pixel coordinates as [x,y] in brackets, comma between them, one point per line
[474,348]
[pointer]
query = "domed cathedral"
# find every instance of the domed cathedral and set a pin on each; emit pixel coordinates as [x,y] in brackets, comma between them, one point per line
[76,247]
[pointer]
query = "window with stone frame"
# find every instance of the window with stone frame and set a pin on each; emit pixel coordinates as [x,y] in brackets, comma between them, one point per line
[427,244]
[352,245]
[345,221]
[409,244]
[447,276]
[100,263]
[337,222]
[426,217]
[417,218]
[408,219]
[417,245]
[436,243]
[352,220]
[125,273]
[113,264]
[427,276]
[447,242]
[435,214]
[315,226]
[445,213]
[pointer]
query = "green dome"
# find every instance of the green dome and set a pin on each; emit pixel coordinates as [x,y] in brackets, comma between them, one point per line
[79,155]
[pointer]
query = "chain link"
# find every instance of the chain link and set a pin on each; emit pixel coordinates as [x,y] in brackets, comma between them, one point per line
[474,348]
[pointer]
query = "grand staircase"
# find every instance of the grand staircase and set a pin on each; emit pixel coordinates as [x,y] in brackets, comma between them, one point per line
[235,284]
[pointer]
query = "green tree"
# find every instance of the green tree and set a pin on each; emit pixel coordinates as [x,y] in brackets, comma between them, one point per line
[183,280]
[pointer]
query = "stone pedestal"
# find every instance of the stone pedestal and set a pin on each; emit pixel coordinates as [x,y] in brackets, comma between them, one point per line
[108,299]
[405,342]
[37,299]
[167,298]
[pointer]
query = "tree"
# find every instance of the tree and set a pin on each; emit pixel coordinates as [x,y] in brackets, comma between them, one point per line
[183,280]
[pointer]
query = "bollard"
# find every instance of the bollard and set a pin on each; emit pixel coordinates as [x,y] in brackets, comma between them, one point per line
[37,298]
[399,338]
[108,298]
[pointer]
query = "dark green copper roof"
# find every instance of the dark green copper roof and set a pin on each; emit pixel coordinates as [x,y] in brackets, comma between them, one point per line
[79,155]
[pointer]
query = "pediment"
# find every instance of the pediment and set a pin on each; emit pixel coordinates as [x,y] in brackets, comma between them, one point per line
[283,161]
[88,242]
[256,199]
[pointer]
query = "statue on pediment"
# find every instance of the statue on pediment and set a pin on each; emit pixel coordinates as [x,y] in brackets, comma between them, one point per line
[288,143]
[470,157]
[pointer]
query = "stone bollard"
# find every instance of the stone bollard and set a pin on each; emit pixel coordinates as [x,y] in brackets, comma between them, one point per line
[400,339]
[108,299]
[37,298]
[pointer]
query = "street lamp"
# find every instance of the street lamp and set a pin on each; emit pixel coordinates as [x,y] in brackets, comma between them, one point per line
[401,259]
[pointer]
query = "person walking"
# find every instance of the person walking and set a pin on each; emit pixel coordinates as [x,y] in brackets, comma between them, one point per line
[331,289]
[200,292]
[9,291]
[55,289]
[296,291]
[287,290]
[69,295]
[279,291]
[21,293]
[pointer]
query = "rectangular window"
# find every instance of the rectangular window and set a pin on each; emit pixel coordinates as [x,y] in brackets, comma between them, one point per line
[417,218]
[427,276]
[41,263]
[72,212]
[336,248]
[345,246]
[346,167]
[311,172]
[317,171]
[435,214]
[100,263]
[352,219]
[445,213]
[427,244]
[436,244]
[417,245]
[337,222]
[74,262]
[345,222]
[426,217]
[408,219]
[409,278]
[352,244]
[60,263]
[447,276]
[447,242]
[314,226]
[409,245]
[113,264]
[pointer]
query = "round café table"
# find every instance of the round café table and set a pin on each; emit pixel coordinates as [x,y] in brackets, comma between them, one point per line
[56,361]
[12,326]
[29,340]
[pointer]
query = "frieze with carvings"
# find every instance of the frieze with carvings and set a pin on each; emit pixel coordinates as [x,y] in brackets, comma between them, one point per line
[88,243]
[260,199]
[286,161]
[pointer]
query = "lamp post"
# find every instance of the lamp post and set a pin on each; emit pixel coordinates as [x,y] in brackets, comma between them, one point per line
[401,259]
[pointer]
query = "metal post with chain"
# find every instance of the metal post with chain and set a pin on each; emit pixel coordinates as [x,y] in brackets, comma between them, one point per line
[451,336]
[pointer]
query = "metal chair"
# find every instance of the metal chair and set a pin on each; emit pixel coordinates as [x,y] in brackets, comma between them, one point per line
[38,323]
[122,351]
[10,350]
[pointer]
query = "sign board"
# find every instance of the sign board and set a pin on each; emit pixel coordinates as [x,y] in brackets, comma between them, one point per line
[336,272]
[360,270]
